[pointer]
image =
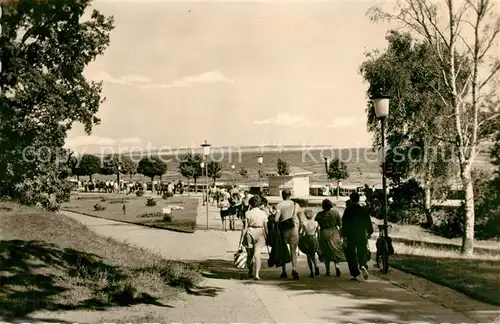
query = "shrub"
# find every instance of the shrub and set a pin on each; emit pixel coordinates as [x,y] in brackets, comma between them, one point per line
[150,202]
[151,215]
[118,201]
[139,193]
[99,207]
[167,195]
[167,218]
[103,200]
[90,198]
[407,205]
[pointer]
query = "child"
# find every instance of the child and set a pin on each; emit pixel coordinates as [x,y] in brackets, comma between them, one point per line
[308,242]
[224,211]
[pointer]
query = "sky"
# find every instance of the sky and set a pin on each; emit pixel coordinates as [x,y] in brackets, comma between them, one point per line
[233,74]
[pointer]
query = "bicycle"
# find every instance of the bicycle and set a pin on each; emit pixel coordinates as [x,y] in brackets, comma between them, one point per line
[384,248]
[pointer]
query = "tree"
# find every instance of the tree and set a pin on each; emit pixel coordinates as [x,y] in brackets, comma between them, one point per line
[283,167]
[190,167]
[111,163]
[45,48]
[244,173]
[463,38]
[214,170]
[418,141]
[151,167]
[87,165]
[337,170]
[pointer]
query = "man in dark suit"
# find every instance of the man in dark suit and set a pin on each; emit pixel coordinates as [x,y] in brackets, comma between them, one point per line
[356,229]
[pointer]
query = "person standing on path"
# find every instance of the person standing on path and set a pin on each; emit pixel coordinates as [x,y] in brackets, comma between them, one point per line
[224,211]
[289,222]
[234,209]
[308,241]
[253,236]
[356,229]
[330,240]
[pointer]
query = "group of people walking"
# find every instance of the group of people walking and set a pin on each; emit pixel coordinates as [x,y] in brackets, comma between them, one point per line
[288,228]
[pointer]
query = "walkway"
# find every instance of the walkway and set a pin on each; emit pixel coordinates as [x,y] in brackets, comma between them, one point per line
[319,300]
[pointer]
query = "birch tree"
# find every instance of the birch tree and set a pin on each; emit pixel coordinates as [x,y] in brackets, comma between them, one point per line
[464,36]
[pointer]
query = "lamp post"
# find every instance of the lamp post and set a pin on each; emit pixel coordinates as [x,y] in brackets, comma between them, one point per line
[232,168]
[260,160]
[118,178]
[381,105]
[327,163]
[206,152]
[202,165]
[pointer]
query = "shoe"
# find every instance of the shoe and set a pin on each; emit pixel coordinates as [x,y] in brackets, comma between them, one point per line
[316,271]
[295,275]
[257,278]
[250,276]
[327,274]
[283,275]
[354,279]
[365,273]
[311,275]
[337,272]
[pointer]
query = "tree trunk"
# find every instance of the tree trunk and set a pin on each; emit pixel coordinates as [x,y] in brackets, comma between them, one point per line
[90,178]
[189,187]
[428,205]
[130,176]
[77,178]
[338,189]
[152,185]
[195,185]
[468,236]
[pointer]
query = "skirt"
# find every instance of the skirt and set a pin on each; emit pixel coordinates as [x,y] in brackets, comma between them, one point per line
[224,213]
[308,244]
[330,245]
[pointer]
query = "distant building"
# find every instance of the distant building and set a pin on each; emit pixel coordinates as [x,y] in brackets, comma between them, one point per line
[297,181]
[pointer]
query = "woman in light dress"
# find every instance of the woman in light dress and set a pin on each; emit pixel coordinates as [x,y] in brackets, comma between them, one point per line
[253,236]
[308,242]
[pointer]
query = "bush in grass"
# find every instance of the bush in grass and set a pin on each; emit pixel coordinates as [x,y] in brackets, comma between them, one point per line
[139,193]
[150,202]
[150,215]
[118,201]
[167,218]
[99,207]
[167,195]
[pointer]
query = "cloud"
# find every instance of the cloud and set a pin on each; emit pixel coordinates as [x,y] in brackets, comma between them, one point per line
[131,140]
[188,81]
[286,120]
[128,79]
[80,141]
[345,122]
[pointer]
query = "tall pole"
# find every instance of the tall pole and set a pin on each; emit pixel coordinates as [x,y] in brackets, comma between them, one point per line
[260,181]
[384,175]
[206,192]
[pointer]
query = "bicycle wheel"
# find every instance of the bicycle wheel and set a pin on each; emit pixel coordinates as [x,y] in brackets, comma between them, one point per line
[385,259]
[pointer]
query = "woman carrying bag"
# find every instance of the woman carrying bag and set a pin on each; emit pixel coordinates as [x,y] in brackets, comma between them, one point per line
[253,236]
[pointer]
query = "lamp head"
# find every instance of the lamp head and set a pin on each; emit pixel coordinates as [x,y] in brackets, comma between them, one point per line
[381,105]
[260,159]
[206,148]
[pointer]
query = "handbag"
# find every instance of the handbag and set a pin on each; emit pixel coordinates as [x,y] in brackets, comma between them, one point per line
[240,259]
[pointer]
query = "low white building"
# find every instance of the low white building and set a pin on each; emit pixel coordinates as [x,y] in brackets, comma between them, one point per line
[297,181]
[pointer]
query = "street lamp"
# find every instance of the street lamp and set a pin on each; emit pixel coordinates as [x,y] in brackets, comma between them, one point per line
[232,168]
[327,163]
[260,160]
[206,152]
[118,178]
[202,165]
[381,105]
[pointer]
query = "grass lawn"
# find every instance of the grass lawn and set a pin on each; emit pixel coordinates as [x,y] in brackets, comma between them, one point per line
[51,262]
[182,220]
[477,277]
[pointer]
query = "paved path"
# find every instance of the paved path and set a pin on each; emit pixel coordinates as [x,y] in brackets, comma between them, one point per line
[318,300]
